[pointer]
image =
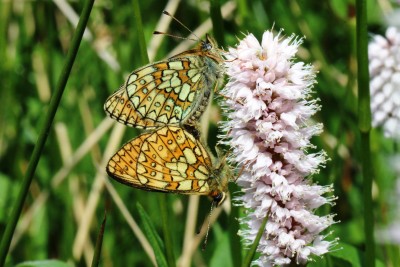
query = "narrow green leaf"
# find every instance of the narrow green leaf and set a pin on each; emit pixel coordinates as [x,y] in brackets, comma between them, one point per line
[352,255]
[152,236]
[348,253]
[249,257]
[140,33]
[162,199]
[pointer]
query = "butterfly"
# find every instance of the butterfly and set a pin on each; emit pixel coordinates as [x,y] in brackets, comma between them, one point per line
[171,92]
[170,159]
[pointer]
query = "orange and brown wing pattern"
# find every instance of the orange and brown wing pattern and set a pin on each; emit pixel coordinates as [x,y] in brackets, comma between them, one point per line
[171,92]
[169,160]
[163,93]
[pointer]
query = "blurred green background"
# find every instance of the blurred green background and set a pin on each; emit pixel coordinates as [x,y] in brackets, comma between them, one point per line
[67,198]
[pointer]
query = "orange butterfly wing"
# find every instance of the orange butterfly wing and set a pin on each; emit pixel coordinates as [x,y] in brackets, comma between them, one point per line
[168,160]
[171,92]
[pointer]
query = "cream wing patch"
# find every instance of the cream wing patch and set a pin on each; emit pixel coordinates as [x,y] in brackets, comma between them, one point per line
[190,156]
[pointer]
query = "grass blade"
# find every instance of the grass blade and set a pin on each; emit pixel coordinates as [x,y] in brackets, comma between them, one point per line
[166,230]
[139,28]
[44,131]
[153,237]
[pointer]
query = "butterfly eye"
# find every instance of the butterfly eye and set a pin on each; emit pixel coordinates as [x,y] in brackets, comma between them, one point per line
[219,199]
[206,46]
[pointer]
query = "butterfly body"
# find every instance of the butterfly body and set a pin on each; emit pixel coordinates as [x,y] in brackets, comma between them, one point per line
[170,159]
[171,92]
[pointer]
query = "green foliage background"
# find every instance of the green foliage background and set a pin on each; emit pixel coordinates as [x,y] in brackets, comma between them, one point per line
[35,36]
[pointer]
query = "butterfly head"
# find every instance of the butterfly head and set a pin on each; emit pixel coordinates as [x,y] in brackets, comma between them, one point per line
[208,44]
[219,198]
[222,175]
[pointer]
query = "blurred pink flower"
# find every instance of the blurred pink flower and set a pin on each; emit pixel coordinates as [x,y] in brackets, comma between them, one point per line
[268,105]
[384,68]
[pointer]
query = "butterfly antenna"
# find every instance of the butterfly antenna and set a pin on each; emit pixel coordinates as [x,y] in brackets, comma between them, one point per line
[177,20]
[240,173]
[174,36]
[208,227]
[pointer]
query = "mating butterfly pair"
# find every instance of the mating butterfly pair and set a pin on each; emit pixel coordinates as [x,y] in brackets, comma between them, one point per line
[169,96]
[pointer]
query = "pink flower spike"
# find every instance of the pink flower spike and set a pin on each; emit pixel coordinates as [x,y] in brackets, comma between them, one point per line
[269,107]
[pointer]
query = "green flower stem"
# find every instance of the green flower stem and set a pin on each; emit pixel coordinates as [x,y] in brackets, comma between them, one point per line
[250,254]
[44,132]
[364,111]
[364,124]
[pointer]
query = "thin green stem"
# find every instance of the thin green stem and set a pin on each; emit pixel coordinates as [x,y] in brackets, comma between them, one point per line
[367,195]
[250,254]
[364,124]
[139,29]
[99,243]
[44,132]
[364,111]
